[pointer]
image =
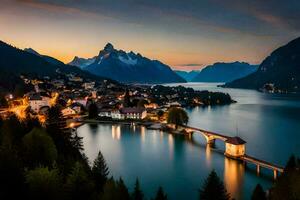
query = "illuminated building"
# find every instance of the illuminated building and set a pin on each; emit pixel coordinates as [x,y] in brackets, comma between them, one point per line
[235,147]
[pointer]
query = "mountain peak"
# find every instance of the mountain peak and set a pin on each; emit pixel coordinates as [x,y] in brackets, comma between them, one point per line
[30,50]
[109,47]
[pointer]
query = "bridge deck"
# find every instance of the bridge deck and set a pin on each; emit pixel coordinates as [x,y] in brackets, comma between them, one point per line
[208,132]
[262,163]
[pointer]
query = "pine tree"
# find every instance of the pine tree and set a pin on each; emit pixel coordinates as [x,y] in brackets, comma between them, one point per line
[93,111]
[137,193]
[44,184]
[122,190]
[100,171]
[110,190]
[127,102]
[160,195]
[258,193]
[291,164]
[79,185]
[213,189]
[55,125]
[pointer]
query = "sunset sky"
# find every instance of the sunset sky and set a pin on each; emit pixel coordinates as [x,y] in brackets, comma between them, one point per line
[186,33]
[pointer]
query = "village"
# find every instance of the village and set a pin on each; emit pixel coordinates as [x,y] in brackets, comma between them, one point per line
[110,100]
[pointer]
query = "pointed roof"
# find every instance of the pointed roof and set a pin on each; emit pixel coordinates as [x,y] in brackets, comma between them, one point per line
[235,140]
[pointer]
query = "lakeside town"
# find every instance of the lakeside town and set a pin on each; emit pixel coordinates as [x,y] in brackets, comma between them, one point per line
[110,101]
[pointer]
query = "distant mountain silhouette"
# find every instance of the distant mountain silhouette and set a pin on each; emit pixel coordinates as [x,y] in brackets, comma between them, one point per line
[188,76]
[279,72]
[47,58]
[129,67]
[224,72]
[14,62]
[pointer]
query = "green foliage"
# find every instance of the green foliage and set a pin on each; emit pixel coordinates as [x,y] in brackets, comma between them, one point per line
[93,111]
[137,192]
[213,189]
[79,185]
[100,171]
[44,184]
[11,132]
[160,195]
[39,148]
[258,193]
[177,116]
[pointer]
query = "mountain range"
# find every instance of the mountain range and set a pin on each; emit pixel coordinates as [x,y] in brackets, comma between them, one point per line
[15,62]
[279,72]
[224,72]
[188,76]
[127,67]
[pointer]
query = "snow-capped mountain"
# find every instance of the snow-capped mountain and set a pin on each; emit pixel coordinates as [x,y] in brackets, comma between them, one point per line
[82,62]
[130,67]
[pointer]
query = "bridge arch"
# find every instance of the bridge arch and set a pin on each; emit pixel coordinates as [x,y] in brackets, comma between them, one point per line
[209,136]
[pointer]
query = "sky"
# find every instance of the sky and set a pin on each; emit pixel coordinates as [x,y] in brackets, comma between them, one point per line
[185,34]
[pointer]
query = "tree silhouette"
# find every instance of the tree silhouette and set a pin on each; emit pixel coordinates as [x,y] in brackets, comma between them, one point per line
[38,148]
[79,185]
[127,102]
[100,171]
[213,189]
[122,190]
[258,193]
[291,164]
[93,111]
[44,184]
[177,116]
[160,195]
[137,192]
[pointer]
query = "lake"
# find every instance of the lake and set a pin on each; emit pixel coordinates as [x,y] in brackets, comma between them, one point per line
[270,123]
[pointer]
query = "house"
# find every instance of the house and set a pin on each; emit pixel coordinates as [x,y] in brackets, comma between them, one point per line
[36,101]
[173,104]
[68,111]
[235,147]
[58,83]
[151,106]
[89,85]
[116,114]
[82,101]
[133,113]
[105,113]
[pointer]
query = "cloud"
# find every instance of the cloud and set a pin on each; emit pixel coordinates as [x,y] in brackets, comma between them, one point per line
[188,67]
[256,18]
[279,14]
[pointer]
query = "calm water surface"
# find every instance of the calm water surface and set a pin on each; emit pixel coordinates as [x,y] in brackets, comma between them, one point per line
[269,123]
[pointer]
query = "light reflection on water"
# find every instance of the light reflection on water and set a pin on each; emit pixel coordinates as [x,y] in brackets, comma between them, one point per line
[269,123]
[159,158]
[234,177]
